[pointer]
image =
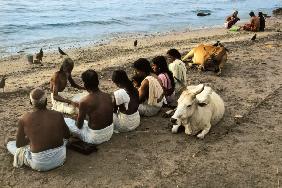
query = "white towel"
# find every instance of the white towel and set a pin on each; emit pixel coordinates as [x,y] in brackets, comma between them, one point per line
[155,90]
[89,135]
[178,69]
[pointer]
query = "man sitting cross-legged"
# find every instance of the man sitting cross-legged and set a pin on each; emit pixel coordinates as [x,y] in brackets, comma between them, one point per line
[40,136]
[97,107]
[58,84]
[151,95]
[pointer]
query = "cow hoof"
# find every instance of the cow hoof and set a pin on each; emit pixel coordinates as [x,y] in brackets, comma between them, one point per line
[201,136]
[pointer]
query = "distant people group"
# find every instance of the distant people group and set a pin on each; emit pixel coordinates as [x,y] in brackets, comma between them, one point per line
[257,23]
[42,134]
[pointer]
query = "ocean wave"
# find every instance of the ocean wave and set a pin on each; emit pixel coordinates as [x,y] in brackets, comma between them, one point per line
[11,28]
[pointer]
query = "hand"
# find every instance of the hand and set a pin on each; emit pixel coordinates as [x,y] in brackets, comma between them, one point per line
[75,104]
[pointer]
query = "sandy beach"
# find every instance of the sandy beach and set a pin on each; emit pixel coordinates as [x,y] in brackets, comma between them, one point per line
[243,152]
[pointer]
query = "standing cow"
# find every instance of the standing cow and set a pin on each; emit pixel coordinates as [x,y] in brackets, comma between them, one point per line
[199,107]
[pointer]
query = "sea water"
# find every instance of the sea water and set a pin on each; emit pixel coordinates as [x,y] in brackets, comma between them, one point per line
[28,25]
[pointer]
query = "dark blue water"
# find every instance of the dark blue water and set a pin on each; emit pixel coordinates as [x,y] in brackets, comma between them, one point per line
[28,24]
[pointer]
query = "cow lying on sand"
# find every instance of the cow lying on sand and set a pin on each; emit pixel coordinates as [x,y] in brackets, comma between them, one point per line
[208,57]
[198,108]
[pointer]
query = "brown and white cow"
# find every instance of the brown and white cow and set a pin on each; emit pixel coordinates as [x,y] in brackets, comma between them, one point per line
[208,57]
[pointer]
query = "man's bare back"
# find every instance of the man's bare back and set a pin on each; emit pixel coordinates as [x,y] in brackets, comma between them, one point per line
[98,107]
[43,129]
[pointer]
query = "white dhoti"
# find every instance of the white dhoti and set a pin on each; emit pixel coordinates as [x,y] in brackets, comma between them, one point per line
[64,107]
[124,123]
[149,110]
[89,135]
[41,161]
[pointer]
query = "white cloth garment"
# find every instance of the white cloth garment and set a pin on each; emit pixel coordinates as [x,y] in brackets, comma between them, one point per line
[64,107]
[178,69]
[151,107]
[124,123]
[121,97]
[89,135]
[41,161]
[149,110]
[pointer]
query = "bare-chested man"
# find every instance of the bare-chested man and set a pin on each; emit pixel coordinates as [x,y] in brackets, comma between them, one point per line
[150,92]
[97,108]
[58,83]
[254,24]
[39,143]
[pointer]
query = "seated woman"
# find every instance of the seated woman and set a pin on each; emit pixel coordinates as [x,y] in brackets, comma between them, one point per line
[160,68]
[126,102]
[151,94]
[231,20]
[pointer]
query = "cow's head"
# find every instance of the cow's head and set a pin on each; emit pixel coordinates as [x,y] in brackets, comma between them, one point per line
[187,103]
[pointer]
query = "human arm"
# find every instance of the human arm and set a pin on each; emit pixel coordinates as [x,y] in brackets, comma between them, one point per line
[81,114]
[143,90]
[73,84]
[55,82]
[66,131]
[21,139]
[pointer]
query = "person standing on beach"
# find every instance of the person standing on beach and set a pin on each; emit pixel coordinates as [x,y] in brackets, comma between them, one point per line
[178,69]
[254,24]
[232,19]
[150,92]
[40,136]
[126,103]
[57,85]
[97,108]
[262,21]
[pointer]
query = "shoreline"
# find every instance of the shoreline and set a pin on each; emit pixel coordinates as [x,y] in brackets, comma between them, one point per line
[152,156]
[108,38]
[118,52]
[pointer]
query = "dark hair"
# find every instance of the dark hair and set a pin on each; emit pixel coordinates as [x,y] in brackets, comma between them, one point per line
[67,63]
[260,14]
[161,64]
[252,14]
[90,79]
[174,53]
[143,65]
[120,77]
[138,79]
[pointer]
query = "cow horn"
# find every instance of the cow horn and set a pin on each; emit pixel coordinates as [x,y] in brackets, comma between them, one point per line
[198,89]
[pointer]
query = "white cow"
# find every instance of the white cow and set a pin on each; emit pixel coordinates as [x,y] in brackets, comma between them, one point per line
[198,108]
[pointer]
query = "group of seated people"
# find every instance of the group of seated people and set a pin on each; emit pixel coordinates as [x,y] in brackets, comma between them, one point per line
[257,23]
[42,134]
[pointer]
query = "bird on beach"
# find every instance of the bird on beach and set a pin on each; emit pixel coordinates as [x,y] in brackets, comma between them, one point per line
[39,55]
[61,51]
[2,82]
[254,37]
[135,43]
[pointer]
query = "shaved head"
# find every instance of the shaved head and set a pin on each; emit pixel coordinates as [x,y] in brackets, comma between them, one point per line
[38,98]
